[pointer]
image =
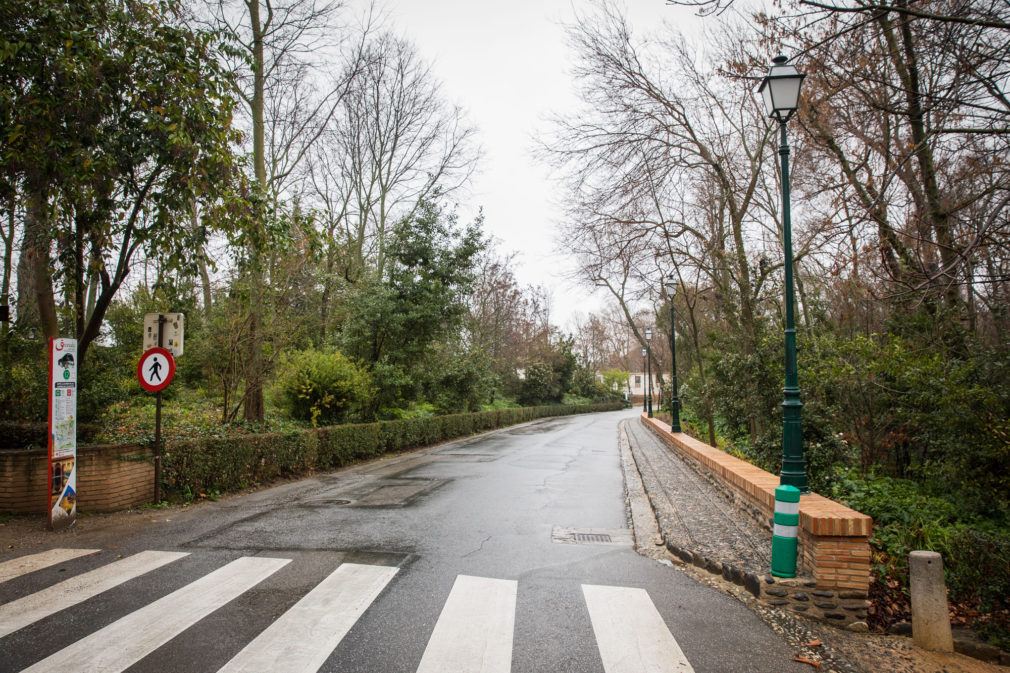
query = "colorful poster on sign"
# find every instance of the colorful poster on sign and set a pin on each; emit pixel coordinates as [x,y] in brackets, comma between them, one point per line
[62,433]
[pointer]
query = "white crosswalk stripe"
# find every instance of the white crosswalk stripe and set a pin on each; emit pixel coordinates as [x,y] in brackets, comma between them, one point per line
[630,632]
[304,636]
[474,632]
[126,641]
[24,611]
[26,564]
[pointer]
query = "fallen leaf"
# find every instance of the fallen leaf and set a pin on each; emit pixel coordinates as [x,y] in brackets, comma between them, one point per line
[814,643]
[804,660]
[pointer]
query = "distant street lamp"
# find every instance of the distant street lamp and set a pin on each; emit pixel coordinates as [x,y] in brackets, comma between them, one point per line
[671,293]
[780,90]
[648,364]
[644,384]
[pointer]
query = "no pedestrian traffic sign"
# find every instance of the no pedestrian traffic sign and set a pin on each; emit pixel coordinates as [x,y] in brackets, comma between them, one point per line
[156,369]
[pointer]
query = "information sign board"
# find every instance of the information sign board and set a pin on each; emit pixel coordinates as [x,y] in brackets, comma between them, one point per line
[172,332]
[62,432]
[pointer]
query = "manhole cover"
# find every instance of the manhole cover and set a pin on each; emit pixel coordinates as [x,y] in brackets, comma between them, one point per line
[592,538]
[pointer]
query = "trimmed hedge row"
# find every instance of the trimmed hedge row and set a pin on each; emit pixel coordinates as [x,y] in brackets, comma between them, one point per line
[206,465]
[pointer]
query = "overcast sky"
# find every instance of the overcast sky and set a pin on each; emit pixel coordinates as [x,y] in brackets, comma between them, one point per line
[508,65]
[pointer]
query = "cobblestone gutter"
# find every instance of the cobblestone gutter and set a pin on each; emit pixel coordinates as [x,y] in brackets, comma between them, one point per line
[834,553]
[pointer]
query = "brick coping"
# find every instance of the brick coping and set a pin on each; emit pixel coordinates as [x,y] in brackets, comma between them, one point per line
[819,516]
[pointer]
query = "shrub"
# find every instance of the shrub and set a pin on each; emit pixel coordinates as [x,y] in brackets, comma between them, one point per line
[540,386]
[324,387]
[460,382]
[976,553]
[23,394]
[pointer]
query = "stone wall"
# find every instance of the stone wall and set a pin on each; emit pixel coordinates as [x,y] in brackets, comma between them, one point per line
[834,551]
[109,478]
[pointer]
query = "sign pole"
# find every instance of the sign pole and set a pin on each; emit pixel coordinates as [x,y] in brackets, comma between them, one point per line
[157,423]
[153,362]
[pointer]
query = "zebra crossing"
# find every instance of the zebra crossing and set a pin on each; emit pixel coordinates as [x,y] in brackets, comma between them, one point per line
[473,633]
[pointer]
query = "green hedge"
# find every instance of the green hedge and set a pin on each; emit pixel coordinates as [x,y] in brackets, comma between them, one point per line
[208,465]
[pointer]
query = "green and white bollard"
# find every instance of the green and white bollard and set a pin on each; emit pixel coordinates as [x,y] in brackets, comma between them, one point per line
[787,525]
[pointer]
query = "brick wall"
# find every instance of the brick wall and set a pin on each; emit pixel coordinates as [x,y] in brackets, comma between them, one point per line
[109,477]
[834,544]
[841,562]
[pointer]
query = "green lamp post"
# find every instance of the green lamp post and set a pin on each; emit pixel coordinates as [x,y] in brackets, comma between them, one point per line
[671,292]
[645,398]
[648,365]
[780,90]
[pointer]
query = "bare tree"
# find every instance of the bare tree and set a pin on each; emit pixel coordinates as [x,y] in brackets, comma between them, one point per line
[291,91]
[395,142]
[906,106]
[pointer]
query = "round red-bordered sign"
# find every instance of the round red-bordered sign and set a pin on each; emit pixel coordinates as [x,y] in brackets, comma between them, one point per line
[155,369]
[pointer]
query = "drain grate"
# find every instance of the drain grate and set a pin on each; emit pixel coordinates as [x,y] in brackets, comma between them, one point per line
[618,537]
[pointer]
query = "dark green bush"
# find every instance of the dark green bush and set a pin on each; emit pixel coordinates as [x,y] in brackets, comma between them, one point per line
[907,518]
[540,386]
[23,395]
[324,387]
[979,573]
[460,382]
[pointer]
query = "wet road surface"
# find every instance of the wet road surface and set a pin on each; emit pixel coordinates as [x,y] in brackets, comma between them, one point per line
[505,552]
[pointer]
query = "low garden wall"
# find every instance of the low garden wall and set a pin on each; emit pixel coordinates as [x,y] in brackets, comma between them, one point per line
[109,478]
[122,476]
[834,549]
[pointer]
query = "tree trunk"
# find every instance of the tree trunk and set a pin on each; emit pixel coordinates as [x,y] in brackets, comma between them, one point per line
[89,309]
[36,255]
[253,408]
[201,254]
[208,297]
[8,240]
[79,289]
[906,64]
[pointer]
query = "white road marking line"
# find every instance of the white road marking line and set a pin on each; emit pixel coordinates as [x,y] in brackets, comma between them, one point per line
[303,637]
[26,564]
[474,632]
[28,610]
[128,640]
[630,632]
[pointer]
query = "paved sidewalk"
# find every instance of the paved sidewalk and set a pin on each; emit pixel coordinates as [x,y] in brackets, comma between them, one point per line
[696,520]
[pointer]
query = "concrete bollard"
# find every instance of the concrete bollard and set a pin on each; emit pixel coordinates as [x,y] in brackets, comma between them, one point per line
[930,619]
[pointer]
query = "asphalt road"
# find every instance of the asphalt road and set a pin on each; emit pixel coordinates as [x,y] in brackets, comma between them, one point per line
[457,558]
